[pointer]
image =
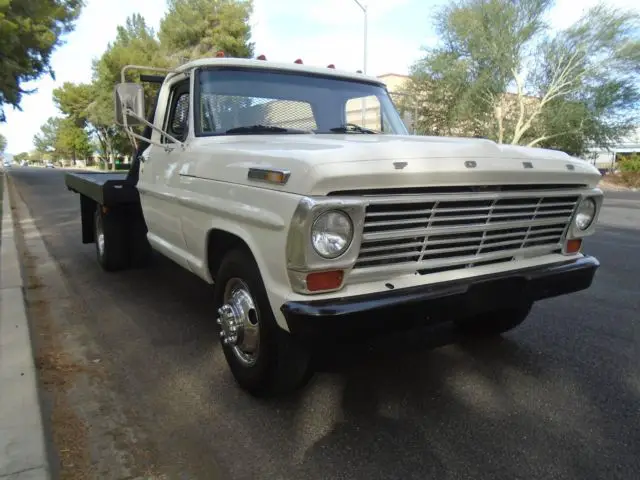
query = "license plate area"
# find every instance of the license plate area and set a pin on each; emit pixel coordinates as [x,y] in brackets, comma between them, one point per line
[499,293]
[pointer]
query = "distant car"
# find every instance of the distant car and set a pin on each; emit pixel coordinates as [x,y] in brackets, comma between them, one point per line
[24,163]
[50,165]
[7,164]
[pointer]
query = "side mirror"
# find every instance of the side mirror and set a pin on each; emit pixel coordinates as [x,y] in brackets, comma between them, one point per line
[129,96]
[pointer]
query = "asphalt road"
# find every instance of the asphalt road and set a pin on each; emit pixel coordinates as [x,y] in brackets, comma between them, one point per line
[557,398]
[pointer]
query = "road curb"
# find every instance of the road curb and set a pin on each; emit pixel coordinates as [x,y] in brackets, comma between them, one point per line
[23,454]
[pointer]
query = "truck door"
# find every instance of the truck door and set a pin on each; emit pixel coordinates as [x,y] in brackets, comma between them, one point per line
[158,184]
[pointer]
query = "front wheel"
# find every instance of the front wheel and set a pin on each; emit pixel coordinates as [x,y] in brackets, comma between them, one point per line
[495,322]
[264,359]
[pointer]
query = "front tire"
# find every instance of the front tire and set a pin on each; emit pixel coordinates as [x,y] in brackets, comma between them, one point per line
[495,322]
[264,359]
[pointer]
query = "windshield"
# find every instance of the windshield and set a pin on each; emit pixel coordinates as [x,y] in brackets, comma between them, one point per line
[236,101]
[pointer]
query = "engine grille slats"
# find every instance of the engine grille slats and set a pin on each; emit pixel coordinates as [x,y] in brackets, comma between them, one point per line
[460,229]
[463,230]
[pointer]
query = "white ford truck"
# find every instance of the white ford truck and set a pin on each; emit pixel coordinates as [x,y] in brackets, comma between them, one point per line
[298,194]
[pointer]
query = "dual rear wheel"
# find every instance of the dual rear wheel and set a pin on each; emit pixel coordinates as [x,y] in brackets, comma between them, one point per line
[120,238]
[110,240]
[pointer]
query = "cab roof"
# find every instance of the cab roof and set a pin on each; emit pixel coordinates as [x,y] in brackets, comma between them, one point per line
[267,65]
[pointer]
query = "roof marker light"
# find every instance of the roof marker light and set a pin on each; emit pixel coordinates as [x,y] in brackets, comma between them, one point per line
[358,71]
[219,54]
[331,65]
[261,57]
[298,61]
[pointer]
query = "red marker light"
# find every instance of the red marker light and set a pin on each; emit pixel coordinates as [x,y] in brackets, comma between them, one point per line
[219,54]
[331,65]
[298,61]
[261,57]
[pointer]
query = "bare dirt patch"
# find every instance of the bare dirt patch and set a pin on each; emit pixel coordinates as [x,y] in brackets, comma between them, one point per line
[620,183]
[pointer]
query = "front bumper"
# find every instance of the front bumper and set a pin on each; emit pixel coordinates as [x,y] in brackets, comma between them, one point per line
[393,310]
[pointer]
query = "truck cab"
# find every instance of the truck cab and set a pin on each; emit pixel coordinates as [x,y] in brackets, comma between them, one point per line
[298,194]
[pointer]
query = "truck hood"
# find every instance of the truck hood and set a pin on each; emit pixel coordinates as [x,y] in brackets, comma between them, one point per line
[320,164]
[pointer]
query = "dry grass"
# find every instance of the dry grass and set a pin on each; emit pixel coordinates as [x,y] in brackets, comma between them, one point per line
[64,377]
[621,181]
[57,370]
[58,373]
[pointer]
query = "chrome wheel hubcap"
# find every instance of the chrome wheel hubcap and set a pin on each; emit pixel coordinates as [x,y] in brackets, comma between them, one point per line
[239,322]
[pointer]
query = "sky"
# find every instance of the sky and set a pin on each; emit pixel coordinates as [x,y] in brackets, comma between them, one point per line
[318,31]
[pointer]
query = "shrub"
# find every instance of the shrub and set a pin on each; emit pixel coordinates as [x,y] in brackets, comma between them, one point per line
[630,163]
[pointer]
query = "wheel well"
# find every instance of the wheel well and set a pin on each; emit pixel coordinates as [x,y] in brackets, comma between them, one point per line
[219,243]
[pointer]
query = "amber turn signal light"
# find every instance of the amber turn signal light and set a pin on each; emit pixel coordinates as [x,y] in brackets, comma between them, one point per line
[573,246]
[318,281]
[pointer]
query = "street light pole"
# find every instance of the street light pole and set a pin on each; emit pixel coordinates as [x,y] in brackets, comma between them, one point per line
[363,7]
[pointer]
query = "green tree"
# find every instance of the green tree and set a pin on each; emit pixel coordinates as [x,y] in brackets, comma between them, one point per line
[37,157]
[74,100]
[199,28]
[630,163]
[191,28]
[482,43]
[579,89]
[3,143]
[62,138]
[135,44]
[30,30]
[72,141]
[90,106]
[22,156]
[45,140]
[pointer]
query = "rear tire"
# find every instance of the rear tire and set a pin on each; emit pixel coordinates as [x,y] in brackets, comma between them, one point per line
[267,361]
[495,322]
[110,240]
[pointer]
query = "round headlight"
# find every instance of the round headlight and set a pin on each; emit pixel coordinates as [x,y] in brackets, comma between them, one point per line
[586,213]
[331,234]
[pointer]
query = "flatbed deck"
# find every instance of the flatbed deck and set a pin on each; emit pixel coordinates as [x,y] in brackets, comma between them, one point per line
[106,188]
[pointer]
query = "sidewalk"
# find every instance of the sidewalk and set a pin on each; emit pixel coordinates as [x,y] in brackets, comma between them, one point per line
[23,453]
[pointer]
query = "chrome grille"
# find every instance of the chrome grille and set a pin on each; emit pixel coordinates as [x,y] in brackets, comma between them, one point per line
[446,231]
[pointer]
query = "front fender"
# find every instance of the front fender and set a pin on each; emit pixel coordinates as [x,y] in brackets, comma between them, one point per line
[259,217]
